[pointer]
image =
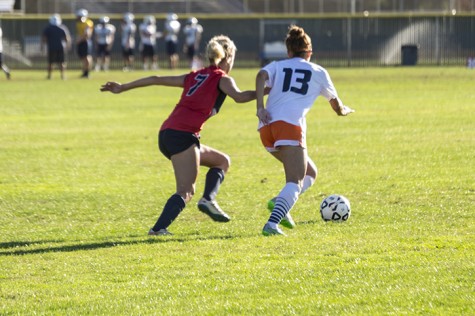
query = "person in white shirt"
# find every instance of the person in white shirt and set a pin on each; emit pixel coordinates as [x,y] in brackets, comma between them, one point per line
[129,29]
[148,39]
[172,29]
[295,83]
[105,35]
[2,65]
[192,32]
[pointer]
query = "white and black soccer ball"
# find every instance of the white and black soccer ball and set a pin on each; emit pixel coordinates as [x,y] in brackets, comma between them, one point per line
[335,208]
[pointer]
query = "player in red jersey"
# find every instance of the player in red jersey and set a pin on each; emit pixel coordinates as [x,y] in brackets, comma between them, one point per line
[203,94]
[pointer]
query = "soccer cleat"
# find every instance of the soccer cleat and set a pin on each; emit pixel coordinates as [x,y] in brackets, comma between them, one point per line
[269,231]
[161,232]
[212,209]
[287,221]
[271,204]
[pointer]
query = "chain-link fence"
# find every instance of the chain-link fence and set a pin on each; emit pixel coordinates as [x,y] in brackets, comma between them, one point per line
[373,40]
[238,6]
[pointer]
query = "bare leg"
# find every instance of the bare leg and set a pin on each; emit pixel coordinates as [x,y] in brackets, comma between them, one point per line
[295,163]
[185,166]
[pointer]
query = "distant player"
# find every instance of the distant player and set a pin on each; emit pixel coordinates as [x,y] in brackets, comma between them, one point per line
[104,36]
[57,39]
[148,40]
[193,32]
[172,29]
[128,29]
[295,84]
[84,30]
[2,65]
[203,94]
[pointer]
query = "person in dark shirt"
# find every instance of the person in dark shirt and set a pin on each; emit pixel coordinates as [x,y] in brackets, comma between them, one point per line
[57,39]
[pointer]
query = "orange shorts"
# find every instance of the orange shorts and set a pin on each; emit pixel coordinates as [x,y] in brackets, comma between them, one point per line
[281,133]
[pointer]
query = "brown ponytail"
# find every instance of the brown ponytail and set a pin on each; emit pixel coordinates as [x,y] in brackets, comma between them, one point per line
[297,41]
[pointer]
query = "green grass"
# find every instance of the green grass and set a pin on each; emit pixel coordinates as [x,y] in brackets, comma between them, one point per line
[82,181]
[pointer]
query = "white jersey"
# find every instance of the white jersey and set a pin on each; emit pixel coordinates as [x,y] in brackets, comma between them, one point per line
[296,84]
[128,35]
[1,40]
[172,28]
[104,34]
[192,33]
[148,34]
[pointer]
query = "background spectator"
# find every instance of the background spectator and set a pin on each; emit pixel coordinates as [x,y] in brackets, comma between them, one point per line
[172,29]
[57,39]
[104,37]
[193,32]
[129,29]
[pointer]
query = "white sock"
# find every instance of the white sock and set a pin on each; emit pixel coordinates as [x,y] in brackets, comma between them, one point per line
[307,182]
[285,201]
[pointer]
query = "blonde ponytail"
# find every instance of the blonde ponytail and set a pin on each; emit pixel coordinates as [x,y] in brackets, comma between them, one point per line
[215,52]
[220,47]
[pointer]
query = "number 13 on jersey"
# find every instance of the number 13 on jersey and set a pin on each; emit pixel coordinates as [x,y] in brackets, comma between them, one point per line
[296,80]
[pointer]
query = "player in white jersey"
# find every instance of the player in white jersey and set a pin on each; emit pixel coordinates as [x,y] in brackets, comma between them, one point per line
[192,32]
[2,65]
[104,36]
[129,29]
[295,84]
[148,39]
[172,29]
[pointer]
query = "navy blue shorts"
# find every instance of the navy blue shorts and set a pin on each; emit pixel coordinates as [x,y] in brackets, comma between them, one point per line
[172,47]
[171,142]
[148,51]
[56,56]
[127,52]
[102,50]
[84,49]
[191,51]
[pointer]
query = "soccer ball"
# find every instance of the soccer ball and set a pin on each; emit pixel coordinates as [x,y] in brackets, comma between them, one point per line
[335,208]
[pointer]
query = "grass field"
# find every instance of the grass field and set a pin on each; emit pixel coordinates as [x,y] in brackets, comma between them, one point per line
[82,181]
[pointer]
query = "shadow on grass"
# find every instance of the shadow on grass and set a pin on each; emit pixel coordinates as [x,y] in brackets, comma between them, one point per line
[310,222]
[18,244]
[95,245]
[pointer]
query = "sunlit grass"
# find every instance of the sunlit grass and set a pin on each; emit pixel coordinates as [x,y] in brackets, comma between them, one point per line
[82,181]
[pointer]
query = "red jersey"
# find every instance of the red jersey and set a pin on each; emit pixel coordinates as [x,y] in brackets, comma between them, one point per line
[201,99]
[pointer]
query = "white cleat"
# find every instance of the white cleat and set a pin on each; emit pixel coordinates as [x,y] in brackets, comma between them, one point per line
[212,209]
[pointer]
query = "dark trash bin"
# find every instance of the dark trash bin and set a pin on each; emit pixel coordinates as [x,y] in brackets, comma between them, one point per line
[409,54]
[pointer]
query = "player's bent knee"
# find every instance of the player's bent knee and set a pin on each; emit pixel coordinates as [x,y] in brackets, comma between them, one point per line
[187,195]
[226,162]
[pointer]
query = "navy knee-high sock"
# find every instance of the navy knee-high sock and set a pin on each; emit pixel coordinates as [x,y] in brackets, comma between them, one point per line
[171,210]
[284,202]
[214,178]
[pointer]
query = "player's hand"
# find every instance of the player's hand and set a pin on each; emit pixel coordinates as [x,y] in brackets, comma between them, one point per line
[346,110]
[264,116]
[113,87]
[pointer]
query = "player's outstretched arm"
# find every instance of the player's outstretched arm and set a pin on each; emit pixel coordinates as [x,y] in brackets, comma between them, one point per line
[340,108]
[228,86]
[171,81]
